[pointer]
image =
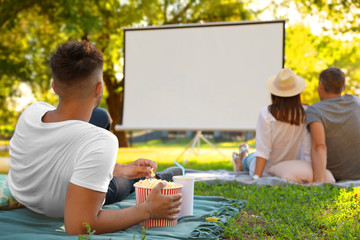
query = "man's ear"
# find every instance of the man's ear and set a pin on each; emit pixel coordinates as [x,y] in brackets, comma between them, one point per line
[99,89]
[321,87]
[53,87]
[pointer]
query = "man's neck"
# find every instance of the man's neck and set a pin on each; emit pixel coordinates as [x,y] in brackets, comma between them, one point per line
[330,95]
[69,111]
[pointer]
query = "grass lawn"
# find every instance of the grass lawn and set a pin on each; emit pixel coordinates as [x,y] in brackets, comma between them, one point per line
[290,212]
[164,153]
[4,142]
[164,156]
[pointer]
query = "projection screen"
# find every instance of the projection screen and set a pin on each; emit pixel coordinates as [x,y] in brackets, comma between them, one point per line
[199,76]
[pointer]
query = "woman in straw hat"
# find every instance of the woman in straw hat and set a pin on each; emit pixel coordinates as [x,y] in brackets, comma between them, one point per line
[281,131]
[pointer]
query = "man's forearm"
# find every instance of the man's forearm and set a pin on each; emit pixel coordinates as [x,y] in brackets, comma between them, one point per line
[111,220]
[318,151]
[117,170]
[319,156]
[83,205]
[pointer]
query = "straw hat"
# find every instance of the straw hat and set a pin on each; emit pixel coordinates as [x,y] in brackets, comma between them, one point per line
[285,84]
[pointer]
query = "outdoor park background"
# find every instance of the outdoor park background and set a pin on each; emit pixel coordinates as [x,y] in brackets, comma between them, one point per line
[319,34]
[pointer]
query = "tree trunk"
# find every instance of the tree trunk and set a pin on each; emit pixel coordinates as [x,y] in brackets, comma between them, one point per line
[114,102]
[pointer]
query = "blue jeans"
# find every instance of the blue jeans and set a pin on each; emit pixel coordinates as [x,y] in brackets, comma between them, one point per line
[119,188]
[246,161]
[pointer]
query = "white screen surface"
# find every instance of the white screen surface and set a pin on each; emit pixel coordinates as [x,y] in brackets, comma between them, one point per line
[210,77]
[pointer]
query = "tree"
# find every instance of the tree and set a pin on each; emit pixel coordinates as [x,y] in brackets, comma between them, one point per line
[308,54]
[18,61]
[343,14]
[338,45]
[31,30]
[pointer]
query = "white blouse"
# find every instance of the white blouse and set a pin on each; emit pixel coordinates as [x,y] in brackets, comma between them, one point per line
[279,141]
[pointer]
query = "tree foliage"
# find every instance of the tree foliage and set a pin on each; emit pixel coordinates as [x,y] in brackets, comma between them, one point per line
[337,46]
[32,29]
[308,54]
[343,14]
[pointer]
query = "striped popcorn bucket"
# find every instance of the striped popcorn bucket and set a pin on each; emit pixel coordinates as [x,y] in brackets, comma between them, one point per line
[141,194]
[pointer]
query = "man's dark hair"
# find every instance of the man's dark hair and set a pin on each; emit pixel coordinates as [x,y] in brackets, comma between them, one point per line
[75,61]
[333,80]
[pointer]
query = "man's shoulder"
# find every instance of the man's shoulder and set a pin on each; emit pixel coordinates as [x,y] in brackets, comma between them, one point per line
[40,105]
[99,134]
[315,106]
[333,104]
[351,98]
[313,113]
[319,108]
[37,107]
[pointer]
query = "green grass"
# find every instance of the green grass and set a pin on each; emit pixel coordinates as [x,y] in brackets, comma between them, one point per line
[183,142]
[281,212]
[4,142]
[290,212]
[164,156]
[165,152]
[4,154]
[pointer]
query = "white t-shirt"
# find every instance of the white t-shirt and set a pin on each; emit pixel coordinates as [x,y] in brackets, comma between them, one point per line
[45,157]
[278,141]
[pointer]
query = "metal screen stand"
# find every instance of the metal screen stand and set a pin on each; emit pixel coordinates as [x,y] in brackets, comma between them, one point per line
[196,141]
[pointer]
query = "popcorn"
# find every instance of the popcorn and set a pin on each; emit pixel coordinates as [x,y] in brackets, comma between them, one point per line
[151,183]
[152,172]
[143,189]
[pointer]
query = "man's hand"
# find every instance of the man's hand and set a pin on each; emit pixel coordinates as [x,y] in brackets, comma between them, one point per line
[137,169]
[84,205]
[163,206]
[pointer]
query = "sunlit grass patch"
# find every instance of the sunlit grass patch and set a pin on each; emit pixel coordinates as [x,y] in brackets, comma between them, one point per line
[165,151]
[205,158]
[280,212]
[183,142]
[4,154]
[290,212]
[343,215]
[4,142]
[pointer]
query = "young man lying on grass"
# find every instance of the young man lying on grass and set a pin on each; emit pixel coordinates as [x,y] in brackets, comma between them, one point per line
[63,166]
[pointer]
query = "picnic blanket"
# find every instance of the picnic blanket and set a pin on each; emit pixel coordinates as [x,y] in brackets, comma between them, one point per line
[25,224]
[220,176]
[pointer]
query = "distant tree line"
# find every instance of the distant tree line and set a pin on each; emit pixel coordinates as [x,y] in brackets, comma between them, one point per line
[32,29]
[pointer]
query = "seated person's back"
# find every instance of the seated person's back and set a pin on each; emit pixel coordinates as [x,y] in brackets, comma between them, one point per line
[334,122]
[341,119]
[45,157]
[281,133]
[63,166]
